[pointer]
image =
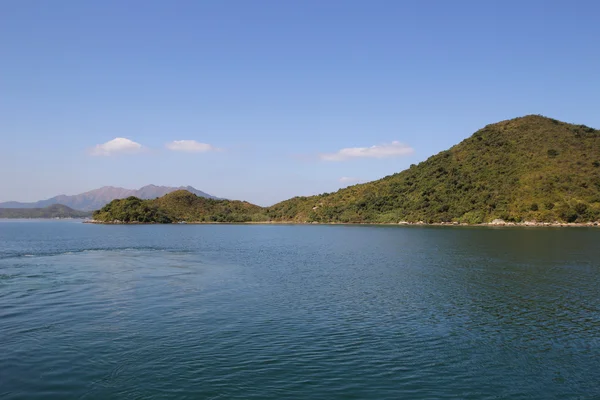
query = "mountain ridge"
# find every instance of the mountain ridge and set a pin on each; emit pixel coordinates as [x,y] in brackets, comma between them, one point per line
[523,169]
[97,198]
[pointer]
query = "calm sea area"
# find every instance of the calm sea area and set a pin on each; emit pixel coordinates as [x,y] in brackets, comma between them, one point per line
[298,312]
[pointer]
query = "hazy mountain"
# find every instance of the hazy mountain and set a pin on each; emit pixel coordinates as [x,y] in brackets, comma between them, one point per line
[97,198]
[53,211]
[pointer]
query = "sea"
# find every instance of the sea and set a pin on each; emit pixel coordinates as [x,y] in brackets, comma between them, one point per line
[298,312]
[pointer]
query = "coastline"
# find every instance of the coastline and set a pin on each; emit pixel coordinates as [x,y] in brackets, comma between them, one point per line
[495,223]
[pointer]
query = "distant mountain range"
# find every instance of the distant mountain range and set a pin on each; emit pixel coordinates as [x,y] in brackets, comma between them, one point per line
[97,198]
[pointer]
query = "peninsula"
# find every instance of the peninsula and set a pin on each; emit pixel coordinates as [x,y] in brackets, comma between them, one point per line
[53,211]
[530,169]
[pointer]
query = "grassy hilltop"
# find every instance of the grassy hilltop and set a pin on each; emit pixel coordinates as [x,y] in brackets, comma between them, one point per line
[531,168]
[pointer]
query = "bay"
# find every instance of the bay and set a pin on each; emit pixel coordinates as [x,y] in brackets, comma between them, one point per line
[298,311]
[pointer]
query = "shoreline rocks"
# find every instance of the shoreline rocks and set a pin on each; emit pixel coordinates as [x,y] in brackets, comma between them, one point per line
[494,223]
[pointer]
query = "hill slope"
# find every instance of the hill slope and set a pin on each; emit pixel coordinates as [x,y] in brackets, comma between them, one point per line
[97,198]
[179,206]
[53,211]
[528,168]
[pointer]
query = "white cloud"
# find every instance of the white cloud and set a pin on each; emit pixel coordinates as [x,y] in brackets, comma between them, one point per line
[190,146]
[348,179]
[394,149]
[116,146]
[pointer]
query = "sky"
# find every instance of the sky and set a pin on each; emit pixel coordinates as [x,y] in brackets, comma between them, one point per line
[266,100]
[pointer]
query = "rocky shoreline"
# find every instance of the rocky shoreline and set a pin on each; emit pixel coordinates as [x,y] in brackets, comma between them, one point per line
[494,223]
[501,223]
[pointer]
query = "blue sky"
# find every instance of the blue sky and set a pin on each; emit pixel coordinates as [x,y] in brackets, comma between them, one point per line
[265,100]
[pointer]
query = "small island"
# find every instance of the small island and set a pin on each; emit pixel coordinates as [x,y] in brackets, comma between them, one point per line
[179,206]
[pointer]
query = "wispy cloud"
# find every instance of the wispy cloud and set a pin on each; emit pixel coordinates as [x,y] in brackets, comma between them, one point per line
[190,146]
[116,146]
[349,179]
[394,149]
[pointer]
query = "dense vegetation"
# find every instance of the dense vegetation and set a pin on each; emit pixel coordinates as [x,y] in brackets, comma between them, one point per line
[179,206]
[526,169]
[53,211]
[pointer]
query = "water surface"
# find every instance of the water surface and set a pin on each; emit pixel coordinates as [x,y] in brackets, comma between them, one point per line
[311,312]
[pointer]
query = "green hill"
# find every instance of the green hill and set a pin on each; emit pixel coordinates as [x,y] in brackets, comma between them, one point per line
[179,206]
[525,169]
[529,168]
[53,211]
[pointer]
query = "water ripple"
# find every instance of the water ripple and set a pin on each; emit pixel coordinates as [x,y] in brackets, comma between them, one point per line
[298,312]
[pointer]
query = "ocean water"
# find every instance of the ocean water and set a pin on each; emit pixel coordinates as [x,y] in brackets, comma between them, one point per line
[298,312]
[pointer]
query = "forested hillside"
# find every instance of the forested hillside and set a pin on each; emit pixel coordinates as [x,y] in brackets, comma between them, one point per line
[529,168]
